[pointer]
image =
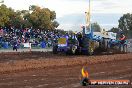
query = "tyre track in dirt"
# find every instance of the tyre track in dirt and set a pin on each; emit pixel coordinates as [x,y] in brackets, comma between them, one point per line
[68,76]
[49,61]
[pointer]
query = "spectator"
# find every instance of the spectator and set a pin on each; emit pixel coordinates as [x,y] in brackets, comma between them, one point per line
[14,36]
[15,46]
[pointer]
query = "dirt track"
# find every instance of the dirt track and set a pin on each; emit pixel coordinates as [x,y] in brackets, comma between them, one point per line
[66,72]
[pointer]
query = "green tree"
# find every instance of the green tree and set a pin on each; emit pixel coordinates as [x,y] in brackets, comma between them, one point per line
[16,20]
[8,17]
[55,24]
[35,17]
[1,1]
[4,15]
[96,27]
[42,18]
[33,7]
[52,15]
[125,24]
[115,30]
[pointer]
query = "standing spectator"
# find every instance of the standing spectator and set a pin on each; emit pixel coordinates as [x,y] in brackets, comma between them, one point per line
[15,45]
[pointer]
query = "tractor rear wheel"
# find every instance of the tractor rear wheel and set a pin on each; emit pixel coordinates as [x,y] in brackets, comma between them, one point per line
[91,48]
[104,45]
[55,49]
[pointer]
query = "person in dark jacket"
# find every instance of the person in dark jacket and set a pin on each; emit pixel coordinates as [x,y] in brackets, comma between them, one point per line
[15,46]
[122,38]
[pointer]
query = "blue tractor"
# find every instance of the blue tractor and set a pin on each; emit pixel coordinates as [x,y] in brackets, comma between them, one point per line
[89,42]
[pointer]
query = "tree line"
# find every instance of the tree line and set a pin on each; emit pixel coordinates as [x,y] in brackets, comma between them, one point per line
[35,17]
[125,25]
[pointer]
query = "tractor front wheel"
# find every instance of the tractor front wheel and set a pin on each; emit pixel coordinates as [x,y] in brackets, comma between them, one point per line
[72,50]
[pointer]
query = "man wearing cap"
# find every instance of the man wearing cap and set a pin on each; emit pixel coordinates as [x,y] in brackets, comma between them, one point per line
[122,38]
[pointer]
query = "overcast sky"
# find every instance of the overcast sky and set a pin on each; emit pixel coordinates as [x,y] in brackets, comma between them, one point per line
[66,8]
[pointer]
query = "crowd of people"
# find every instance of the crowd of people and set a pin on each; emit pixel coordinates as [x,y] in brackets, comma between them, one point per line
[13,37]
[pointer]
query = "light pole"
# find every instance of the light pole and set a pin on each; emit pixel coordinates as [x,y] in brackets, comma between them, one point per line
[88,16]
[89,10]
